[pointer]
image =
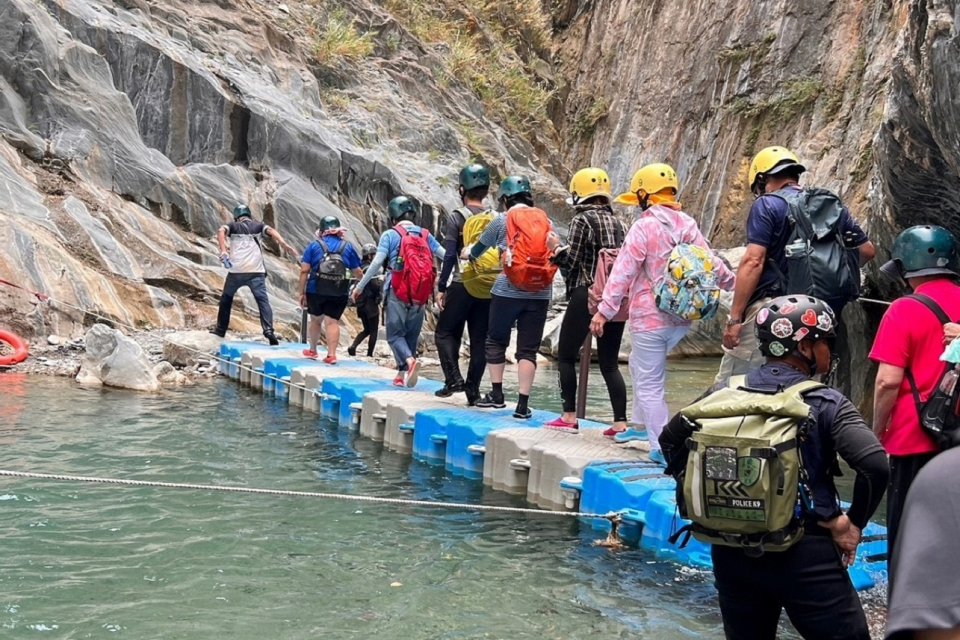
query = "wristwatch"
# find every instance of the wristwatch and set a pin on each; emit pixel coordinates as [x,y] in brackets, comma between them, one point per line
[732,322]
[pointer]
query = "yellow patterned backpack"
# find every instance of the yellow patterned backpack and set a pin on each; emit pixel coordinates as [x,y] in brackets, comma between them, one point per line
[689,289]
[479,275]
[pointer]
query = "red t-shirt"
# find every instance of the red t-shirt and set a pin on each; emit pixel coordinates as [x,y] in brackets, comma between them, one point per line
[911,337]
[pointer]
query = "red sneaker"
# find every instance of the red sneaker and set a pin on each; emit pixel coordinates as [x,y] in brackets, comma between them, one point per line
[559,424]
[398,381]
[411,374]
[330,360]
[309,353]
[612,432]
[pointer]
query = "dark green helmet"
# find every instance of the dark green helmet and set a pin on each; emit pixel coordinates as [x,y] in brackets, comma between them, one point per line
[241,210]
[473,176]
[329,222]
[401,207]
[513,185]
[924,250]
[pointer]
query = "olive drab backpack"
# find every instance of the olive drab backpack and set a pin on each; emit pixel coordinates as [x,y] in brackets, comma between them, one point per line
[744,485]
[331,273]
[526,262]
[690,287]
[819,264]
[413,278]
[479,275]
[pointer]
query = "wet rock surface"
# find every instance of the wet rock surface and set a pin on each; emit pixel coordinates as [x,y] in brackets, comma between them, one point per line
[114,360]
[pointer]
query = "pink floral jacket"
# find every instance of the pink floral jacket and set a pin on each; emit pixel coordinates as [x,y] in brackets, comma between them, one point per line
[641,263]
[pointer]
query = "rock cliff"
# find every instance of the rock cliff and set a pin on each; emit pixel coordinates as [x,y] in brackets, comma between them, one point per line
[128,128]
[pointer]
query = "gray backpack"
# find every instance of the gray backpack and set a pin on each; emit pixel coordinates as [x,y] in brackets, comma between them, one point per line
[819,264]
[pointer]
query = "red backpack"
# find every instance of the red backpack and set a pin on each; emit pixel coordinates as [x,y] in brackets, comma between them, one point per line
[412,279]
[526,262]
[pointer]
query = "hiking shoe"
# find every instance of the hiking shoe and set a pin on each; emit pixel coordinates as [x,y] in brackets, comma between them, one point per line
[310,353]
[657,456]
[448,390]
[217,333]
[411,375]
[398,381]
[472,398]
[351,351]
[630,435]
[490,401]
[330,360]
[526,414]
[272,339]
[559,424]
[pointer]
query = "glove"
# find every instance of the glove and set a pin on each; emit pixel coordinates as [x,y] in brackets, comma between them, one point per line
[225,260]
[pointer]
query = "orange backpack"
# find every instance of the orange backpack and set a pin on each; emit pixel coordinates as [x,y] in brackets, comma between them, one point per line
[526,262]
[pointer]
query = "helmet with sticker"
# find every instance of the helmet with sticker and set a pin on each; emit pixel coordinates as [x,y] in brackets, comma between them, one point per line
[783,322]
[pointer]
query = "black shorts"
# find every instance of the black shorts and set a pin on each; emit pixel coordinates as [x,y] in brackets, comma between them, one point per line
[329,306]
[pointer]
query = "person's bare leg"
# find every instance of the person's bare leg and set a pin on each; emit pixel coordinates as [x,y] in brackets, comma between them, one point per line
[526,371]
[313,332]
[332,328]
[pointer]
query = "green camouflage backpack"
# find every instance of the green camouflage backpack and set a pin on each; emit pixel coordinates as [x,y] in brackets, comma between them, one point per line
[744,478]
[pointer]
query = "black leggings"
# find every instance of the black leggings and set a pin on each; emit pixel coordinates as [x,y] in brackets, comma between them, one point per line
[903,471]
[371,329]
[573,332]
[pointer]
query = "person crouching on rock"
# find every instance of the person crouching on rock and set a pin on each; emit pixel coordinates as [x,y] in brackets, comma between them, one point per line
[368,306]
[521,294]
[325,284]
[246,268]
[593,229]
[408,250]
[659,318]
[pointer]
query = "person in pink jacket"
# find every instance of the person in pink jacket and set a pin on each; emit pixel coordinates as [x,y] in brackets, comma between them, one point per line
[639,267]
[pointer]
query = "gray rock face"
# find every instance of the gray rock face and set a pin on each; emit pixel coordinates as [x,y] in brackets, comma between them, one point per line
[114,360]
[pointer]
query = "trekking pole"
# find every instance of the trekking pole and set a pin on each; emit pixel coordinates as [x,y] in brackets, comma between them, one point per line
[303,326]
[584,373]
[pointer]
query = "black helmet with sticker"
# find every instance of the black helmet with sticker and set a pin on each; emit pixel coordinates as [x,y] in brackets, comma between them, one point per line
[785,321]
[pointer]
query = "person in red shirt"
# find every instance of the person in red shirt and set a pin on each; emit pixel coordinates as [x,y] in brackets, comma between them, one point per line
[908,346]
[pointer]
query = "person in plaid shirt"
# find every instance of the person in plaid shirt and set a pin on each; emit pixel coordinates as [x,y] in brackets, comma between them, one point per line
[594,227]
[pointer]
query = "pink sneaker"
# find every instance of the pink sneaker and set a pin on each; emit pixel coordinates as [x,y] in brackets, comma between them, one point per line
[398,381]
[330,360]
[309,353]
[559,424]
[611,432]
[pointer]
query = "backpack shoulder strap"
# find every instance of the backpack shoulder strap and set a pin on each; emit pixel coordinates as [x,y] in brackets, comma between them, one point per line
[805,387]
[401,230]
[735,382]
[942,316]
[931,304]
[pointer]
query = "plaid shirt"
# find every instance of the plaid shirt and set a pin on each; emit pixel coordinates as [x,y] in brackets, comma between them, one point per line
[579,260]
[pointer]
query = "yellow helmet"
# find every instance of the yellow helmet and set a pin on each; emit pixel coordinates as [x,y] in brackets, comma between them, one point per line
[651,179]
[771,161]
[588,183]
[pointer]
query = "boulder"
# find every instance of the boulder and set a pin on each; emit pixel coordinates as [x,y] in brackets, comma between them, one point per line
[115,361]
[188,348]
[168,375]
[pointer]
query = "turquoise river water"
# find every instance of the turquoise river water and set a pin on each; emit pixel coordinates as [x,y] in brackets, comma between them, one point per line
[99,561]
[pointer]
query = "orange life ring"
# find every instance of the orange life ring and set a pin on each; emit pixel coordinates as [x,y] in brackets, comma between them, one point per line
[20,350]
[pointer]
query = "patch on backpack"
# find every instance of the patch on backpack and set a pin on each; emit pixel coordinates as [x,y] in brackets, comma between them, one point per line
[748,471]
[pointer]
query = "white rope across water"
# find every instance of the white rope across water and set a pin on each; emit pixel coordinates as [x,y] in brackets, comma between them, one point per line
[303,494]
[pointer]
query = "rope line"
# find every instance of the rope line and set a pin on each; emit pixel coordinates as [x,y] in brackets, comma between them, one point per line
[303,494]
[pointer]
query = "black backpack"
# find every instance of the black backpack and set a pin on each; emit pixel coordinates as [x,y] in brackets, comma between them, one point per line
[819,264]
[331,272]
[940,413]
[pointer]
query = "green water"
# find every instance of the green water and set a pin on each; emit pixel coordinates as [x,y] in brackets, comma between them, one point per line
[94,561]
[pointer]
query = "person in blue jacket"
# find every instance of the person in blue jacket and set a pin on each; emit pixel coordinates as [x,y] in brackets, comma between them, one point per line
[325,270]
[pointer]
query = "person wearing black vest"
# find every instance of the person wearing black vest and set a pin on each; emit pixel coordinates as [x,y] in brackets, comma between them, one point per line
[457,307]
[809,579]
